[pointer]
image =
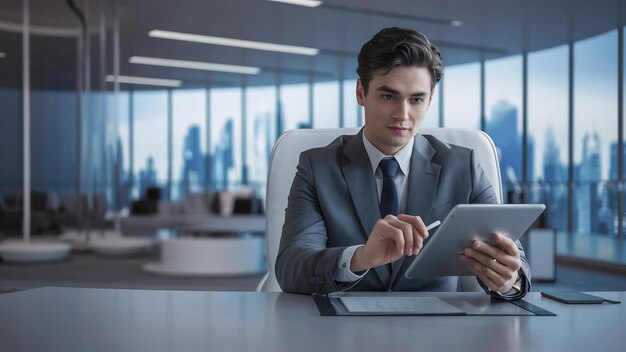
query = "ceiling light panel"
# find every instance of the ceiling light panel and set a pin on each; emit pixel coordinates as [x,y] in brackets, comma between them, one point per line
[194,65]
[307,3]
[3,55]
[239,43]
[145,81]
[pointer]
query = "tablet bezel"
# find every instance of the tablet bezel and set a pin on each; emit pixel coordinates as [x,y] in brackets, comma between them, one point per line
[464,224]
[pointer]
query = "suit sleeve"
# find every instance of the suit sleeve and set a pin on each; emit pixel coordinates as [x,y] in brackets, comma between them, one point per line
[304,264]
[483,192]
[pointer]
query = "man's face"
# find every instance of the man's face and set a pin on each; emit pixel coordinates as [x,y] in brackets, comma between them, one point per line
[395,106]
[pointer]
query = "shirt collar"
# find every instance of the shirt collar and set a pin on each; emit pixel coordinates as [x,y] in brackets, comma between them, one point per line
[403,156]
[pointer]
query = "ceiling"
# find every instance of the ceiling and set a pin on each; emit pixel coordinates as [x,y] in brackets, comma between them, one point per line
[490,29]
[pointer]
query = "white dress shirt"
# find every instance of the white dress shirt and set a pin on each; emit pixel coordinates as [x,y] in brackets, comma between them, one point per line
[403,157]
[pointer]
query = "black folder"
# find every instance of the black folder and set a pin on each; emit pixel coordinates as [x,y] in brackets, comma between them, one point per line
[451,305]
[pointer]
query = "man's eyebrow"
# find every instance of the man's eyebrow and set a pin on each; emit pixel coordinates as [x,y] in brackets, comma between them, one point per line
[387,89]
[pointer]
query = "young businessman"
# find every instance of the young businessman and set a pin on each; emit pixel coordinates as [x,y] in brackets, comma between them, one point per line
[362,202]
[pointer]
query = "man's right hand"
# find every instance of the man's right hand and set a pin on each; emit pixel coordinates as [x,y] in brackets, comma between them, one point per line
[391,238]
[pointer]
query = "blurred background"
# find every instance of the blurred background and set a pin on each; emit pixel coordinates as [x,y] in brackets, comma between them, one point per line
[139,106]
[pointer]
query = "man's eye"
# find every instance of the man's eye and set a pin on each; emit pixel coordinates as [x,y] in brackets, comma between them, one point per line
[386,96]
[416,100]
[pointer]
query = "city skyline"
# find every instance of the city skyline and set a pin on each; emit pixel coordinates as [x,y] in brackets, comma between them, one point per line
[502,127]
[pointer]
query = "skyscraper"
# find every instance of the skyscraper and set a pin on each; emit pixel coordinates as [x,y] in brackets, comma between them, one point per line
[147,177]
[555,191]
[223,157]
[262,145]
[588,174]
[502,127]
[613,175]
[122,197]
[193,171]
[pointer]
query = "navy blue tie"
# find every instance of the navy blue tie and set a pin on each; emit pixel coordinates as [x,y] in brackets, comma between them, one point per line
[389,194]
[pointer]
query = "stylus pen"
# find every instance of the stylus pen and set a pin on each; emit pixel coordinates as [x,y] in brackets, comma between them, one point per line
[433,225]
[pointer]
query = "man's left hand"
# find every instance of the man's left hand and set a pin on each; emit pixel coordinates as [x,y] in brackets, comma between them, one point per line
[495,265]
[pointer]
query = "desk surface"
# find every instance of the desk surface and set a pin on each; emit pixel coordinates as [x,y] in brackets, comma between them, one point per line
[75,319]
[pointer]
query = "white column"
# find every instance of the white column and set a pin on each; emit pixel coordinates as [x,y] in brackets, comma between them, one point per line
[26,110]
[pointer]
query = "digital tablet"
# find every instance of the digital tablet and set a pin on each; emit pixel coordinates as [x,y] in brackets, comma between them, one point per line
[464,224]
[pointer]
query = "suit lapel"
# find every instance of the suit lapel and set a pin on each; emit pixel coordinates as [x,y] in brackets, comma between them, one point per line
[362,186]
[422,186]
[423,179]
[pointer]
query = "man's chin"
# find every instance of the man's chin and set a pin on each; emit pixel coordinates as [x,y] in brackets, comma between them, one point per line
[398,142]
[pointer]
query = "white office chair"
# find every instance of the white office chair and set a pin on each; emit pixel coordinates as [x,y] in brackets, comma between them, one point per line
[282,169]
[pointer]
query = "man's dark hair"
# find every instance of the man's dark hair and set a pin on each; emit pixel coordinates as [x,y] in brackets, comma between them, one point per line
[393,47]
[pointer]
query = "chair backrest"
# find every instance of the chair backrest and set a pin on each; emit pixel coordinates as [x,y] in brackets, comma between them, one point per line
[284,159]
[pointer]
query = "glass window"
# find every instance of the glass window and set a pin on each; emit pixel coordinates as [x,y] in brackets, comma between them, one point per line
[462,96]
[503,110]
[11,142]
[121,150]
[350,106]
[548,136]
[225,138]
[53,142]
[96,156]
[53,160]
[432,116]
[261,122]
[326,105]
[294,106]
[188,142]
[595,132]
[149,140]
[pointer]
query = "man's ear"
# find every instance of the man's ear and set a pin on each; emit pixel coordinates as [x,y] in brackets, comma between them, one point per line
[360,93]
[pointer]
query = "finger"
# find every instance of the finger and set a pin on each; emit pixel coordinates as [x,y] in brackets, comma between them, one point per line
[418,243]
[478,270]
[416,222]
[392,233]
[493,252]
[486,261]
[407,232]
[419,231]
[497,272]
[507,244]
[489,277]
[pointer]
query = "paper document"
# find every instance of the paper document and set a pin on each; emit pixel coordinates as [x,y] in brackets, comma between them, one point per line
[399,305]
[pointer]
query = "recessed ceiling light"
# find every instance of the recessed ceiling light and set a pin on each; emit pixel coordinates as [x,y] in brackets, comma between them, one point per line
[307,3]
[195,65]
[239,43]
[456,23]
[145,81]
[3,55]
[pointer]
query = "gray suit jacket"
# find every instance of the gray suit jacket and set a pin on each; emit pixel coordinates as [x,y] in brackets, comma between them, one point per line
[333,204]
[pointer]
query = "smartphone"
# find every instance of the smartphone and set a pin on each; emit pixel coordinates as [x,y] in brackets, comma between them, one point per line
[575,298]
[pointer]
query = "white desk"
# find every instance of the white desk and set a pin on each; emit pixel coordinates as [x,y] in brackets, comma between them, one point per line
[205,255]
[205,222]
[73,319]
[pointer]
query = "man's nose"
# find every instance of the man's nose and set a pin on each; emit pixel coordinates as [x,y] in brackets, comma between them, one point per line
[402,111]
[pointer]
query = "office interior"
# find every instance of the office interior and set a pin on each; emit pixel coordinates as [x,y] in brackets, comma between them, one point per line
[152,109]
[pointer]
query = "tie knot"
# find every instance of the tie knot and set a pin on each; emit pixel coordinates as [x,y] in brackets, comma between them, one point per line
[389,167]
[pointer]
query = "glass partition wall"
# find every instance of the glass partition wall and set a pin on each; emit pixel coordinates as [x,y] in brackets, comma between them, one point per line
[68,142]
[212,137]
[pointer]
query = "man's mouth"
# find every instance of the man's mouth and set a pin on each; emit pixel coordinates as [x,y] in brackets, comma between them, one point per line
[398,129]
